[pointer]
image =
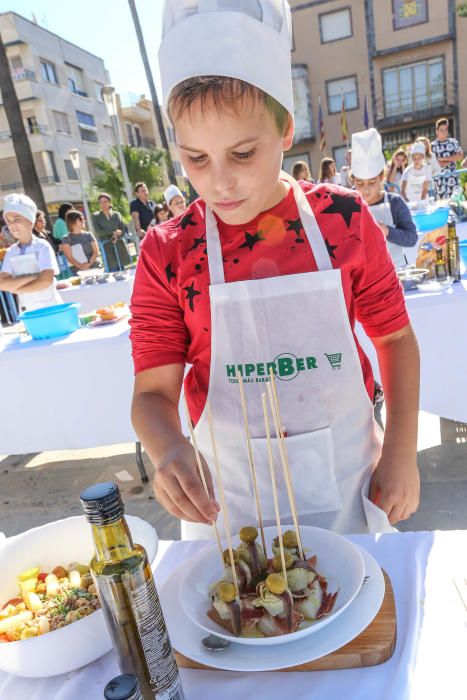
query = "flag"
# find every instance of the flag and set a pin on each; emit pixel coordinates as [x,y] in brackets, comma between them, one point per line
[322,138]
[366,118]
[344,127]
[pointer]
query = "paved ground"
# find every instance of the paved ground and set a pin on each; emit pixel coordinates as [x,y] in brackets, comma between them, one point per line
[35,489]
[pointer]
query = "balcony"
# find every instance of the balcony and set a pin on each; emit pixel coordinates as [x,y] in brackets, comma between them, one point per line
[19,74]
[81,93]
[47,180]
[413,105]
[31,129]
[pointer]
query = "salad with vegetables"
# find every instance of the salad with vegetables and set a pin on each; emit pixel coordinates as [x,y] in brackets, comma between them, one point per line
[48,601]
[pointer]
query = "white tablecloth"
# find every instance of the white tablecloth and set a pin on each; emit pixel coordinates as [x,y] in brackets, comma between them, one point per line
[94,296]
[439,320]
[429,660]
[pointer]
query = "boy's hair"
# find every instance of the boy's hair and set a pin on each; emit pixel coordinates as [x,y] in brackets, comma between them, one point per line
[138,185]
[442,121]
[225,92]
[72,216]
[105,196]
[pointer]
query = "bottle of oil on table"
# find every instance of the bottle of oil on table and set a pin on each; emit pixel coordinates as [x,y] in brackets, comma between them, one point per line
[441,268]
[128,596]
[452,251]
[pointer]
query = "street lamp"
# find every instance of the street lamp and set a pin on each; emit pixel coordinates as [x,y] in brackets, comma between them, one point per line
[75,161]
[110,101]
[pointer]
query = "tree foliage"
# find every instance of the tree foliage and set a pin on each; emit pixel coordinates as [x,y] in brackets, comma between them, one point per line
[462,9]
[142,166]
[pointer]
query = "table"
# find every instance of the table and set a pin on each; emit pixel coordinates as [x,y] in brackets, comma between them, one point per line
[439,320]
[428,662]
[94,296]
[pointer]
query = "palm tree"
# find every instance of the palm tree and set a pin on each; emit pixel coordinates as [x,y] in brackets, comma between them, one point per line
[142,165]
[21,145]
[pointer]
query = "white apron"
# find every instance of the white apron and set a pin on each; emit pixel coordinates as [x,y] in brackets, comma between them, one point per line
[382,213]
[300,324]
[30,301]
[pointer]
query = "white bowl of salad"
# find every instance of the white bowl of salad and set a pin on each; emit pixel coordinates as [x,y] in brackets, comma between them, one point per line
[50,617]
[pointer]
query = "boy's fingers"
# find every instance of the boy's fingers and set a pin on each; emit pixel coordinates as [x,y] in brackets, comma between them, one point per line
[209,484]
[195,495]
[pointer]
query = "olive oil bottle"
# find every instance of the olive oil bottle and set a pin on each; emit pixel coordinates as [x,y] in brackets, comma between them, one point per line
[452,251]
[128,596]
[441,269]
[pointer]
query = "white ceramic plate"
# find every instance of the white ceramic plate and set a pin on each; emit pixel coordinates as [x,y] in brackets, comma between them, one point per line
[434,285]
[339,561]
[83,641]
[186,637]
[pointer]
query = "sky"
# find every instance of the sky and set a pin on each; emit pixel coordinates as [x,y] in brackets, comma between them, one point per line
[105,28]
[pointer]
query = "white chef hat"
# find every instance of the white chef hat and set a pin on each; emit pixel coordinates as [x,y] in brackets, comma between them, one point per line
[20,204]
[367,154]
[244,39]
[418,147]
[171,192]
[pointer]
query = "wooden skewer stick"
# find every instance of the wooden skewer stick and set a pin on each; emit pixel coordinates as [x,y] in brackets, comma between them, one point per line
[250,458]
[223,501]
[274,487]
[201,472]
[274,401]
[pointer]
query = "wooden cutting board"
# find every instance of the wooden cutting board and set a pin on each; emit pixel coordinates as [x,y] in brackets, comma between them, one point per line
[373,646]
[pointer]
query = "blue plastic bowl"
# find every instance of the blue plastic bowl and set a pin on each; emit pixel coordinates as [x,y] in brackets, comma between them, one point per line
[463,254]
[429,220]
[51,321]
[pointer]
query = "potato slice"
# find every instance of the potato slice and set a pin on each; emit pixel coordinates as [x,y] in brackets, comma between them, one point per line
[29,573]
[15,620]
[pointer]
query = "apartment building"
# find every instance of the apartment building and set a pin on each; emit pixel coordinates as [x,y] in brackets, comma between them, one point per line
[138,128]
[59,89]
[407,59]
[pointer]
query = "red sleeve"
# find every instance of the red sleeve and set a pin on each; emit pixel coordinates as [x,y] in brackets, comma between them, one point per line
[379,299]
[158,332]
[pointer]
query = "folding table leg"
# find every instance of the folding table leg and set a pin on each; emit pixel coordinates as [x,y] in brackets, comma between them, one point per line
[140,463]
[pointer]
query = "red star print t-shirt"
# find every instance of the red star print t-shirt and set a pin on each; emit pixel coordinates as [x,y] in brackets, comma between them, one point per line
[170,308]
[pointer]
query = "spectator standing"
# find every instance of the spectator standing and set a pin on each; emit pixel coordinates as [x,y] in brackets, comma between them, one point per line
[301,171]
[60,229]
[161,213]
[416,178]
[109,228]
[175,201]
[29,266]
[448,151]
[142,209]
[80,247]
[346,171]
[40,231]
[328,172]
[396,167]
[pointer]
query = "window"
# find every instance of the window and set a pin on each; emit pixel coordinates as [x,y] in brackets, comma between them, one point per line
[129,133]
[344,87]
[98,88]
[62,124]
[85,119]
[92,167]
[338,153]
[71,173]
[16,63]
[32,125]
[414,86]
[138,138]
[75,80]
[303,114]
[395,139]
[48,72]
[52,166]
[406,13]
[335,25]
[87,126]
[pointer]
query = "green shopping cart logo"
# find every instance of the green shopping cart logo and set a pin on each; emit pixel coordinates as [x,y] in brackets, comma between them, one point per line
[335,359]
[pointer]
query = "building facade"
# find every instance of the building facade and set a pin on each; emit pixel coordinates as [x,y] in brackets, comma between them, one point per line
[59,89]
[405,60]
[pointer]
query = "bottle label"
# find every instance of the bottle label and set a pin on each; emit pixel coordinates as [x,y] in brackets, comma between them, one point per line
[160,659]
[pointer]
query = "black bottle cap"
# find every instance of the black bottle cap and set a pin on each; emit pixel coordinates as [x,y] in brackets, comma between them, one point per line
[102,503]
[122,688]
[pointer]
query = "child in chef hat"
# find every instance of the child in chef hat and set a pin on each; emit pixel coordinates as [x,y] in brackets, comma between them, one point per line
[262,271]
[416,177]
[175,200]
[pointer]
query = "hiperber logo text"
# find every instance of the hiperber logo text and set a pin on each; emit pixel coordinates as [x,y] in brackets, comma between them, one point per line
[285,367]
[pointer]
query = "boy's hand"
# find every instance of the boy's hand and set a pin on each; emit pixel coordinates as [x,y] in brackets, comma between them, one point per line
[395,487]
[178,486]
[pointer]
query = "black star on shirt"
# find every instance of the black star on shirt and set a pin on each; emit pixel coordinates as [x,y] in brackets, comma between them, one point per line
[252,239]
[170,274]
[331,249]
[345,205]
[191,293]
[296,226]
[187,221]
[197,242]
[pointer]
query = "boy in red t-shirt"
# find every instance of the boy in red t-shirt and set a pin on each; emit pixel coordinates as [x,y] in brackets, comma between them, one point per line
[262,272]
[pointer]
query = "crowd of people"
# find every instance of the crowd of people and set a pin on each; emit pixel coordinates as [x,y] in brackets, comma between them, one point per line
[417,172]
[32,256]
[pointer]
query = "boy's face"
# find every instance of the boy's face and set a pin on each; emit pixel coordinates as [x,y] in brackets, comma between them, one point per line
[442,132]
[233,158]
[19,226]
[417,160]
[370,190]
